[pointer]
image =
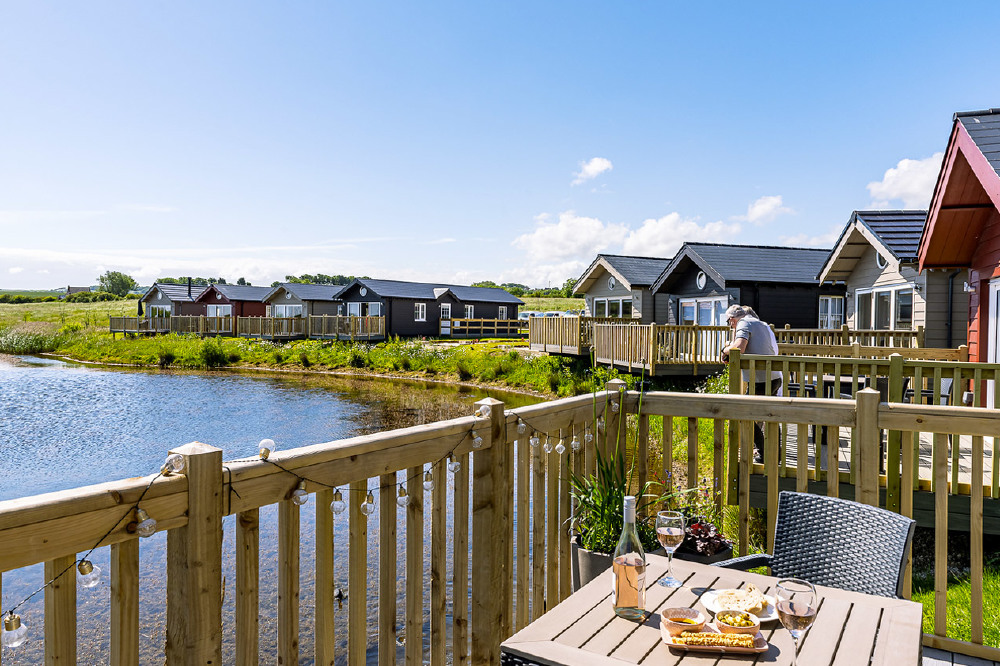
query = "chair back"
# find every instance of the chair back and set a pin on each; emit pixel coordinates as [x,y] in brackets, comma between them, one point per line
[838,543]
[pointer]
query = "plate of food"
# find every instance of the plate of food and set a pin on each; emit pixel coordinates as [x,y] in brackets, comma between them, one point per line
[711,639]
[749,599]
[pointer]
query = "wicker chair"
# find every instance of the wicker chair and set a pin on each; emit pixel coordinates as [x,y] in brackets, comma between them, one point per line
[834,542]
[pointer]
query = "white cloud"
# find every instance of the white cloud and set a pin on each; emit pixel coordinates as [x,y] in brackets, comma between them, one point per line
[571,237]
[764,209]
[14,270]
[819,240]
[664,236]
[592,169]
[910,182]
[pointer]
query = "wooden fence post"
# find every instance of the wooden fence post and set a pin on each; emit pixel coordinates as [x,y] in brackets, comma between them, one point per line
[894,437]
[614,436]
[732,484]
[194,564]
[845,334]
[492,525]
[869,440]
[920,336]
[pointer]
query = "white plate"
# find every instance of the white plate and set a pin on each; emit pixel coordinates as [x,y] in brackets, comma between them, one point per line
[768,614]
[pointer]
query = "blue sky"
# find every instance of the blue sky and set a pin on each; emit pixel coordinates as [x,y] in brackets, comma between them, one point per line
[461,141]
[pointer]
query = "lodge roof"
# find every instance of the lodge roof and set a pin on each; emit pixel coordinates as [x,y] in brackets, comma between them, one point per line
[177,293]
[895,234]
[630,270]
[306,291]
[432,291]
[984,129]
[240,292]
[746,263]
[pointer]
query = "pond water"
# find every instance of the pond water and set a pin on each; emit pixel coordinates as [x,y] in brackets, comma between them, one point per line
[63,426]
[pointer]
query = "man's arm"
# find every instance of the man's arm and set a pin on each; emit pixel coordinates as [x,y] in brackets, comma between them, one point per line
[738,343]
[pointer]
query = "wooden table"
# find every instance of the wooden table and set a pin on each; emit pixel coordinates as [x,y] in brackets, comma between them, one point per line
[850,628]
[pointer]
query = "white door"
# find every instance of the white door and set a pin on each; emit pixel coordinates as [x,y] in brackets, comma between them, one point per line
[993,332]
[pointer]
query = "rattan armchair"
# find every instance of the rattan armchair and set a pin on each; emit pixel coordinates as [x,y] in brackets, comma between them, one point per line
[838,543]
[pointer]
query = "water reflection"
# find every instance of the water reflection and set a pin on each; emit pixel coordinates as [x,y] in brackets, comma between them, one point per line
[64,425]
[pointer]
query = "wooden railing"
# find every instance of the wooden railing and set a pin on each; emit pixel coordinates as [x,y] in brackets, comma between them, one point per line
[845,336]
[346,327]
[521,568]
[652,347]
[271,328]
[487,328]
[138,325]
[566,335]
[855,350]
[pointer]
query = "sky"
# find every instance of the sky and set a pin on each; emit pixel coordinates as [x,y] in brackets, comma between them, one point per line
[461,141]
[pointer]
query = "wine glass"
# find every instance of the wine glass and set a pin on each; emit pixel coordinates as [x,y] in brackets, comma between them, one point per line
[797,607]
[670,532]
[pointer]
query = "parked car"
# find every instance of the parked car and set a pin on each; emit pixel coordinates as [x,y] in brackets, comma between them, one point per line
[553,313]
[527,314]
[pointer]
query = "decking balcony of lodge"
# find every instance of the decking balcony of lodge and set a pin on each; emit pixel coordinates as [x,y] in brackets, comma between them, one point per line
[503,508]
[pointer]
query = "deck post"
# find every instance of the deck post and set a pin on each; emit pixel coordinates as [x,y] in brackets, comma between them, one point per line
[920,336]
[491,526]
[870,440]
[194,564]
[894,437]
[614,437]
[734,431]
[845,335]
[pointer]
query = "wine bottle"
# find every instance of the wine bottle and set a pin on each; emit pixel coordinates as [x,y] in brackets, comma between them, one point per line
[628,570]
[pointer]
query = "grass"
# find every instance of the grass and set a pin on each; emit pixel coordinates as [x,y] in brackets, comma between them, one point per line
[33,293]
[84,314]
[547,304]
[959,619]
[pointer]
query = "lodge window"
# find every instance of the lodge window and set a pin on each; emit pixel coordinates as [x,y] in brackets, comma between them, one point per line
[888,309]
[831,311]
[158,311]
[613,307]
[503,312]
[286,310]
[354,309]
[446,311]
[419,312]
[219,310]
[470,311]
[703,311]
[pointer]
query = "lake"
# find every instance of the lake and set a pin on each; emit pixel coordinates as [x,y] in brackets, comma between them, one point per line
[64,425]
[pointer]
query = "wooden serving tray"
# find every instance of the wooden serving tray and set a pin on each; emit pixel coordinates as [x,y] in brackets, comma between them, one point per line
[759,643]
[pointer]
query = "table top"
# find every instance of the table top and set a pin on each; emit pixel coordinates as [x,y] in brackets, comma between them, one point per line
[850,628]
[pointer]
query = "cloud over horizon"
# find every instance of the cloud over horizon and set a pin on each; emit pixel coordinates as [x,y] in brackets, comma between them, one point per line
[592,169]
[910,182]
[764,209]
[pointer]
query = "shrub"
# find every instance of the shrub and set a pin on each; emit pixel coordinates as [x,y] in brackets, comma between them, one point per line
[358,359]
[166,358]
[304,359]
[462,368]
[405,363]
[212,354]
[277,357]
[71,327]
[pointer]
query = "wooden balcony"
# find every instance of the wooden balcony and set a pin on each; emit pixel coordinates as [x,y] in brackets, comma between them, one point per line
[521,568]
[483,328]
[268,328]
[351,328]
[657,350]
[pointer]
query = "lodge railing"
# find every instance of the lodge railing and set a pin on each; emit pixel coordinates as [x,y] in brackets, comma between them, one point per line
[139,325]
[647,348]
[511,483]
[856,350]
[349,327]
[486,328]
[846,336]
[566,335]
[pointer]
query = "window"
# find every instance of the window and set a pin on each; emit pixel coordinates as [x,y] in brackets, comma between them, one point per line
[286,311]
[614,308]
[446,311]
[626,308]
[219,310]
[703,311]
[374,309]
[470,311]
[883,306]
[502,314]
[354,309]
[884,309]
[831,311]
[687,313]
[600,308]
[419,312]
[863,318]
[904,310]
[158,311]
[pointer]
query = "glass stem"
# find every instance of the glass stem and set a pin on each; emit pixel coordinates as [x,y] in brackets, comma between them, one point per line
[670,565]
[795,651]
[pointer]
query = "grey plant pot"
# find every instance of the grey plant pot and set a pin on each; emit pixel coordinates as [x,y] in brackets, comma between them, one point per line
[587,565]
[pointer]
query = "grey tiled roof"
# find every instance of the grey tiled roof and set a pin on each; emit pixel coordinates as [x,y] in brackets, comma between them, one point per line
[637,271]
[177,293]
[984,128]
[750,263]
[241,292]
[309,291]
[899,230]
[426,290]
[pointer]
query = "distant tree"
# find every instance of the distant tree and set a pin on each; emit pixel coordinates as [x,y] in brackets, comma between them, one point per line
[243,281]
[486,283]
[320,278]
[116,283]
[567,287]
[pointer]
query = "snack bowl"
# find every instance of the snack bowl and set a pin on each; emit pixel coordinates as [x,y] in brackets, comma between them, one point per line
[742,622]
[677,620]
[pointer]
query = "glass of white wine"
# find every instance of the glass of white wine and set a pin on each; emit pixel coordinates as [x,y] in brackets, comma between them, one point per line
[670,532]
[797,606]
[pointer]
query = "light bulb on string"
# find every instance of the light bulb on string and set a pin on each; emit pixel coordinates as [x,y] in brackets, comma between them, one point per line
[477,441]
[484,411]
[338,505]
[145,526]
[428,481]
[14,632]
[600,423]
[174,464]
[402,499]
[454,466]
[560,447]
[547,447]
[266,446]
[614,406]
[521,427]
[368,508]
[534,441]
[575,443]
[299,496]
[88,575]
[588,437]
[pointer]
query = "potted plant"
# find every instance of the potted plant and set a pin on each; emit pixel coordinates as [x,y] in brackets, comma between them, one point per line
[703,541]
[597,521]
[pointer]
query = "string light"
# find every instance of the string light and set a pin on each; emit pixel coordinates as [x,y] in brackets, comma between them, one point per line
[547,447]
[521,427]
[428,481]
[484,411]
[575,443]
[266,446]
[14,631]
[338,505]
[454,466]
[614,406]
[534,441]
[299,496]
[145,526]
[88,575]
[588,437]
[560,447]
[477,441]
[368,508]
[402,499]
[174,464]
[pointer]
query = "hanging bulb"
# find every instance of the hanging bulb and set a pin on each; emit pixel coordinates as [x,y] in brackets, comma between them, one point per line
[174,464]
[547,447]
[588,437]
[614,407]
[299,496]
[87,575]
[575,443]
[477,441]
[402,499]
[14,633]
[484,411]
[266,446]
[428,481]
[368,508]
[560,447]
[521,427]
[600,423]
[534,441]
[338,505]
[145,526]
[454,466]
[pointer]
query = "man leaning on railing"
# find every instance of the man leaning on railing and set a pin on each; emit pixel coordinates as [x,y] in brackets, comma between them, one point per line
[752,336]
